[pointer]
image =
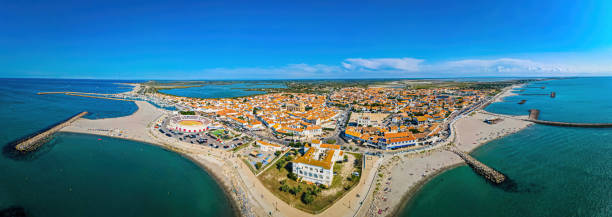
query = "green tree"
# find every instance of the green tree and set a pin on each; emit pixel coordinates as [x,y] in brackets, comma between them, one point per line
[292,176]
[284,188]
[280,164]
[257,165]
[307,198]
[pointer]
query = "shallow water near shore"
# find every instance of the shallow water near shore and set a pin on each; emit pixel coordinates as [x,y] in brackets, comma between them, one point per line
[86,175]
[557,171]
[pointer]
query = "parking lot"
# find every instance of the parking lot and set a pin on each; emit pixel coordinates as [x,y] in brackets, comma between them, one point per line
[207,138]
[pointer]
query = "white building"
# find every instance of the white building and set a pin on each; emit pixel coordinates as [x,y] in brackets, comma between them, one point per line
[317,165]
[266,146]
[313,130]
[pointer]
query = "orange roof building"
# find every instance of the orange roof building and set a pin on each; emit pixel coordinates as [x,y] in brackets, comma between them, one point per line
[316,165]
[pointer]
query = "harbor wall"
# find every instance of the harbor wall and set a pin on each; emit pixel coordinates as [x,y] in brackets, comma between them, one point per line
[33,141]
[481,169]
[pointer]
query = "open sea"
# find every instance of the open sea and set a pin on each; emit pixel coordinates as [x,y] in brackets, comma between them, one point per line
[554,171]
[86,175]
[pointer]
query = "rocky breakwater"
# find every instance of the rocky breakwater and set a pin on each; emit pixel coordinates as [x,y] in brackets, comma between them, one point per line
[33,141]
[481,169]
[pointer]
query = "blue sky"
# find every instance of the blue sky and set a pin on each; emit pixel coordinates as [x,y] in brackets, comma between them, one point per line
[304,39]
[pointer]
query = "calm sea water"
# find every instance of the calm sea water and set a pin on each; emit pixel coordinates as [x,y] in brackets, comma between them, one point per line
[222,91]
[80,175]
[556,171]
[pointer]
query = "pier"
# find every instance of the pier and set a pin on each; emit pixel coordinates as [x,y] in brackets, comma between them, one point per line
[33,141]
[551,94]
[480,168]
[90,95]
[535,113]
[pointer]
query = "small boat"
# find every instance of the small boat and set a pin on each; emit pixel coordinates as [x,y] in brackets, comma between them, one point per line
[522,102]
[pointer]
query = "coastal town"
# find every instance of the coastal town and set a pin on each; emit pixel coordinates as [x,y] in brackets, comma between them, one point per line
[354,151]
[305,108]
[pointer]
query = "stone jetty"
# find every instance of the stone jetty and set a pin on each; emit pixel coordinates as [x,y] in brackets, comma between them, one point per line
[551,94]
[33,141]
[481,169]
[535,113]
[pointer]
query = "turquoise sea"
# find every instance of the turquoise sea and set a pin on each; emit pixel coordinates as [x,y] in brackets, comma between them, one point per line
[86,175]
[554,171]
[222,91]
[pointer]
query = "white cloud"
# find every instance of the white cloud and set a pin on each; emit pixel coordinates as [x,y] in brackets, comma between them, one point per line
[502,65]
[404,64]
[288,71]
[412,68]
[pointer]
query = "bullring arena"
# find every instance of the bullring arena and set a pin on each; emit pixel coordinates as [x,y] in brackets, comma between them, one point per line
[189,123]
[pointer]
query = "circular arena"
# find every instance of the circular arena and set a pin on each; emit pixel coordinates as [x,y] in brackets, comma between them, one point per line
[188,123]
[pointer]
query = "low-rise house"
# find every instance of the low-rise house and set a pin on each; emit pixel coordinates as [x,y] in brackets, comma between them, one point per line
[266,146]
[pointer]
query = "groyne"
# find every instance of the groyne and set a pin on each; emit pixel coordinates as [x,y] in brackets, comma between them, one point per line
[33,141]
[551,94]
[535,113]
[98,97]
[90,95]
[565,124]
[480,168]
[70,92]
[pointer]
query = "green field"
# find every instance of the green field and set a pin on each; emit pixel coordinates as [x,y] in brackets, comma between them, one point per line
[218,133]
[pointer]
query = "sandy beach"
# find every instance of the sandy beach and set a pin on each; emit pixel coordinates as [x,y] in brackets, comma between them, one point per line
[404,175]
[248,193]
[508,91]
[473,132]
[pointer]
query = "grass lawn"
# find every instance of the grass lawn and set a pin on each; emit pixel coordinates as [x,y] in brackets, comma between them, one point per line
[240,147]
[274,178]
[218,133]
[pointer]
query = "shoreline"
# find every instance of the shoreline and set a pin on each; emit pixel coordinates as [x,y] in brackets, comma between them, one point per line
[471,123]
[138,127]
[142,119]
[248,195]
[509,91]
[226,188]
[409,196]
[205,168]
